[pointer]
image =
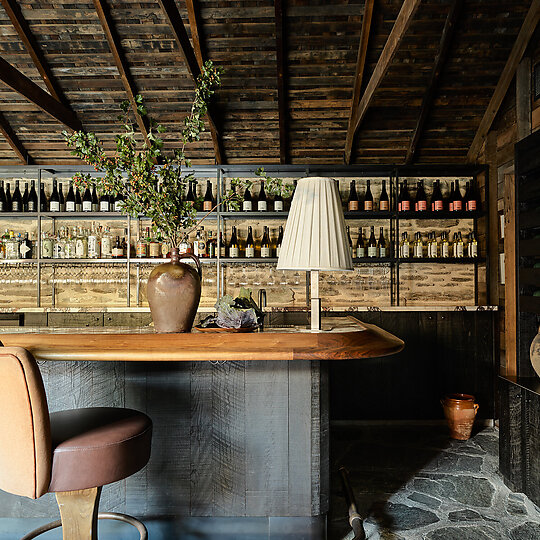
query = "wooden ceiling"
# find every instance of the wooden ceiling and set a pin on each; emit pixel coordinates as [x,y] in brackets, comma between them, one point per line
[290,74]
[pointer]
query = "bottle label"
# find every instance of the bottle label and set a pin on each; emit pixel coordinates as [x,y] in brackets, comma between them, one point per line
[70,206]
[31,206]
[437,206]
[106,246]
[459,250]
[471,205]
[458,206]
[265,252]
[47,248]
[360,252]
[233,252]
[12,249]
[207,206]
[421,206]
[372,251]
[247,206]
[473,249]
[405,251]
[15,206]
[418,251]
[261,206]
[183,247]
[383,205]
[201,248]
[278,206]
[368,205]
[117,252]
[118,205]
[222,251]
[382,251]
[404,206]
[164,249]
[104,206]
[154,250]
[54,206]
[140,249]
[451,206]
[444,251]
[93,251]
[79,249]
[24,249]
[353,206]
[250,252]
[87,206]
[278,251]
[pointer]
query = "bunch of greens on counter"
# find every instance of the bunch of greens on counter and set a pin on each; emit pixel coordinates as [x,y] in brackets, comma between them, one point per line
[239,312]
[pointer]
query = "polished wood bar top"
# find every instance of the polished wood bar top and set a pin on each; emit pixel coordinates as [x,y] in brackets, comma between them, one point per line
[341,338]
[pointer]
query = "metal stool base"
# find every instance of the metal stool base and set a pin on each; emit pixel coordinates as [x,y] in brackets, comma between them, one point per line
[105,515]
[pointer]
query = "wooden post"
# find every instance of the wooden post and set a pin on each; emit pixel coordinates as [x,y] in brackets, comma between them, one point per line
[79,513]
[492,208]
[523,98]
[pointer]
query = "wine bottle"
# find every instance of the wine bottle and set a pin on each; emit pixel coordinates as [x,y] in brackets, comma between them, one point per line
[471,200]
[278,202]
[105,203]
[79,203]
[234,252]
[384,201]
[211,245]
[404,199]
[472,246]
[349,241]
[118,203]
[54,201]
[265,244]
[25,198]
[25,247]
[247,203]
[117,249]
[262,203]
[437,203]
[458,199]
[353,203]
[32,197]
[250,244]
[381,246]
[61,197]
[208,202]
[87,201]
[420,203]
[368,198]
[360,244]
[2,197]
[8,197]
[95,200]
[70,199]
[460,251]
[222,246]
[43,202]
[418,248]
[445,246]
[16,201]
[190,197]
[451,198]
[405,246]
[372,244]
[279,241]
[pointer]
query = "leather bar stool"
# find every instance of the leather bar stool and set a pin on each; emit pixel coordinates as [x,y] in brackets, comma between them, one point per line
[70,453]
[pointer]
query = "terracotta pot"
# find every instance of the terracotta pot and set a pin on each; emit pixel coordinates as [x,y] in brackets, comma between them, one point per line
[460,411]
[174,292]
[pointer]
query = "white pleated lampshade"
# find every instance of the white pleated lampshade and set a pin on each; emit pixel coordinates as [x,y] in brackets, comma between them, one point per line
[315,237]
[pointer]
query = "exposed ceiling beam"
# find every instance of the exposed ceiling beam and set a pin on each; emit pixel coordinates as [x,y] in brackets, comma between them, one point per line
[440,60]
[34,93]
[194,66]
[281,83]
[404,18]
[21,26]
[192,12]
[359,75]
[120,60]
[527,29]
[13,140]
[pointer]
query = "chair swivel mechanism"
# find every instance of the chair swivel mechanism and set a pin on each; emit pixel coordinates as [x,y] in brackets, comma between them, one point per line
[71,453]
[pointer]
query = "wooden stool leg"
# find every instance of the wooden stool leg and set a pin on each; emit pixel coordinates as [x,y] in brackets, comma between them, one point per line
[79,513]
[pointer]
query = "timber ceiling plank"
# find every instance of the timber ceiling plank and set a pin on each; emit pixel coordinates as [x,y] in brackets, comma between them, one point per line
[14,141]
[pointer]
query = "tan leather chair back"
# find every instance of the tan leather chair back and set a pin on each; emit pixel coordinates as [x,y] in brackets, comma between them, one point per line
[25,433]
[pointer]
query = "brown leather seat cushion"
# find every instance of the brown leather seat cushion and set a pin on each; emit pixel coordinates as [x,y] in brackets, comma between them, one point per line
[97,446]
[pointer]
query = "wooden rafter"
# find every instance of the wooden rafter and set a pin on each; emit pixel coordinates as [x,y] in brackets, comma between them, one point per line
[13,140]
[359,75]
[120,60]
[21,26]
[404,18]
[34,93]
[194,26]
[281,83]
[527,29]
[440,60]
[190,57]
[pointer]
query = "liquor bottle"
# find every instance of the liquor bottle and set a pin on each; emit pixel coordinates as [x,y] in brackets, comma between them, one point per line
[247,203]
[8,198]
[211,247]
[208,202]
[190,197]
[222,246]
[472,246]
[381,246]
[12,246]
[372,244]
[81,244]
[437,203]
[25,198]
[93,243]
[47,246]
[106,244]
[32,197]
[368,198]
[361,244]
[404,199]
[43,203]
[250,244]
[279,241]
[154,247]
[262,203]
[141,247]
[61,197]
[70,199]
[234,251]
[266,250]
[87,200]
[458,199]
[69,246]
[16,201]
[384,201]
[95,200]
[200,243]
[349,241]
[405,246]
[117,250]
[353,203]
[105,203]
[418,248]
[25,247]
[54,201]
[471,199]
[2,197]
[278,202]
[420,203]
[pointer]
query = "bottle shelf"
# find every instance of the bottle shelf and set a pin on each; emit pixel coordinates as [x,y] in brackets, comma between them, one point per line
[247,260]
[85,215]
[18,261]
[443,214]
[254,215]
[19,215]
[443,260]
[369,214]
[373,260]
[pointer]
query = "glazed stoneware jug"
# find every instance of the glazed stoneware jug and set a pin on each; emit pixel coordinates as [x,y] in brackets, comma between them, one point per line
[535,353]
[174,292]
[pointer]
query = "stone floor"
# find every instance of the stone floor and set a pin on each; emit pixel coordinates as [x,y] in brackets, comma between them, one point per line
[414,483]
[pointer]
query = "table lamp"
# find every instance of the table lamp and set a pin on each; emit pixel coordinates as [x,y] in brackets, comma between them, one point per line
[315,238]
